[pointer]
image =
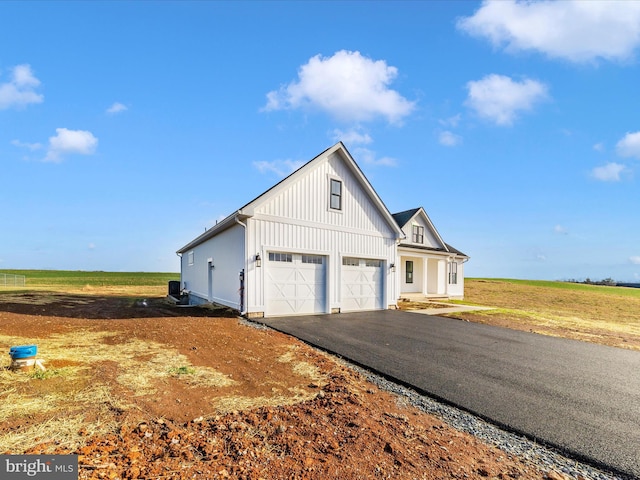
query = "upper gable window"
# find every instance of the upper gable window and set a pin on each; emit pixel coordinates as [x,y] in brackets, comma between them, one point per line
[335,194]
[418,234]
[190,258]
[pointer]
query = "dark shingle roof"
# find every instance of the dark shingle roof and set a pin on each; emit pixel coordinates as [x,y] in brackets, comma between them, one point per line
[403,217]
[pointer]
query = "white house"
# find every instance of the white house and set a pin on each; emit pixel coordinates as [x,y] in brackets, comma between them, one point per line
[319,241]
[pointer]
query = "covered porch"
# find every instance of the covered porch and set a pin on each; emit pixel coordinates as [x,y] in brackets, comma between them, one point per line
[427,275]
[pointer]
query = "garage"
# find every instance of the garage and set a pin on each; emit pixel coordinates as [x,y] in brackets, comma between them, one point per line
[361,284]
[295,284]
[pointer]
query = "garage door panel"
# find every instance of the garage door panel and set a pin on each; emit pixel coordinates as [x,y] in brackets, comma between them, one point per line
[295,284]
[361,284]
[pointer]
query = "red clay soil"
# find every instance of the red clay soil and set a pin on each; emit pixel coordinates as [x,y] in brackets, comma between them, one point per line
[346,428]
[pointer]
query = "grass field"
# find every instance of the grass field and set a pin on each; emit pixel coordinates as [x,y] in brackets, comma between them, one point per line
[599,314]
[133,283]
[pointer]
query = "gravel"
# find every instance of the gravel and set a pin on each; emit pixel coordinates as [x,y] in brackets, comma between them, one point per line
[545,458]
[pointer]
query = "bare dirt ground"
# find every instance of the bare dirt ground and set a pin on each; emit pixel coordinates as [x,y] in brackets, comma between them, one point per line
[149,390]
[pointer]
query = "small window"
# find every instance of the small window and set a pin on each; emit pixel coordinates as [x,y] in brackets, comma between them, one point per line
[315,259]
[409,272]
[335,194]
[453,273]
[418,234]
[373,263]
[190,258]
[280,257]
[350,261]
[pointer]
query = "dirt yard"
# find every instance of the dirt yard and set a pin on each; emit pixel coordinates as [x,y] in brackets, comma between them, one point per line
[144,389]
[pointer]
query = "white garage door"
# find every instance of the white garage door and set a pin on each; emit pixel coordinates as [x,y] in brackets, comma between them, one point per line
[361,284]
[295,284]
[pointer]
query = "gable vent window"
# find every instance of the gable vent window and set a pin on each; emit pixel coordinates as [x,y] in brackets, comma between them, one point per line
[418,234]
[190,258]
[280,257]
[335,193]
[453,273]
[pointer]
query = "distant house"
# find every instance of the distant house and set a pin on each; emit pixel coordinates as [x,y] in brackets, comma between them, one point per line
[320,241]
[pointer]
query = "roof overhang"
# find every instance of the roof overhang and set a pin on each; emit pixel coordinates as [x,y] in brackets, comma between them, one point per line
[230,221]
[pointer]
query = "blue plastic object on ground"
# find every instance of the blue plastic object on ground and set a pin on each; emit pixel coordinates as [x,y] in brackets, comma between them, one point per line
[23,351]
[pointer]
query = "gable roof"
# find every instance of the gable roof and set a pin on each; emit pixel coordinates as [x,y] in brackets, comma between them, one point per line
[247,210]
[402,218]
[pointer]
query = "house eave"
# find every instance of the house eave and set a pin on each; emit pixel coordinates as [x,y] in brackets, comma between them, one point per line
[438,251]
[222,225]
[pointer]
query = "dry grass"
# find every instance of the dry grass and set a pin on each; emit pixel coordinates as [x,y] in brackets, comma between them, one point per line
[63,395]
[606,315]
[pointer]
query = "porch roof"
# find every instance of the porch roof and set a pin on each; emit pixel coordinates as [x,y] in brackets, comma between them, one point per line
[449,249]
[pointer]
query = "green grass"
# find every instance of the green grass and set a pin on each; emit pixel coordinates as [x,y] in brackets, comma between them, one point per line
[78,278]
[619,291]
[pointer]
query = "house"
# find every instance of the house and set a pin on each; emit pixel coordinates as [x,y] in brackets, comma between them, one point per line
[319,241]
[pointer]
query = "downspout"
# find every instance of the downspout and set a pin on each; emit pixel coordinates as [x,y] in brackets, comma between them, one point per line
[243,300]
[180,256]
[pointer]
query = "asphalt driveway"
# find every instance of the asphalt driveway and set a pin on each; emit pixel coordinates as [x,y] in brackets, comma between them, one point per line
[580,397]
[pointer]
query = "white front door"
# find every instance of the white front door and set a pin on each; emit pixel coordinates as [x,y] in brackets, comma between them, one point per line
[295,284]
[362,283]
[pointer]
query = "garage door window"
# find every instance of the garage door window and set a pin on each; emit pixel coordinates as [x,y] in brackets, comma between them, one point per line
[280,257]
[315,259]
[350,261]
[373,263]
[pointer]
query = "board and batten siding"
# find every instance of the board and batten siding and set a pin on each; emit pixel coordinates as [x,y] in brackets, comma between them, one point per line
[297,218]
[219,284]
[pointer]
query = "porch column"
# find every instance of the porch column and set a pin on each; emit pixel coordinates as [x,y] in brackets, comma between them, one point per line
[425,276]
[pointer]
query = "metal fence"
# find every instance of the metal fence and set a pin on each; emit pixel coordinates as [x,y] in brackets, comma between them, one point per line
[9,280]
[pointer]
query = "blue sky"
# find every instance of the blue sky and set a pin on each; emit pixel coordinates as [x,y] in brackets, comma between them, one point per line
[126,128]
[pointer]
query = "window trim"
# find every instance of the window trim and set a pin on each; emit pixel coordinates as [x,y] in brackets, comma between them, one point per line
[339,196]
[453,272]
[417,233]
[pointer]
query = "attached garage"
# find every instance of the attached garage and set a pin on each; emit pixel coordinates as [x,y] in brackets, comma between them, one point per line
[295,284]
[362,284]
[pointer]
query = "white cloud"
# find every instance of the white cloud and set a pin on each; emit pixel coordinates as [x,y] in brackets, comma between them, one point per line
[19,91]
[629,145]
[500,99]
[449,139]
[68,141]
[369,157]
[352,137]
[117,107]
[599,147]
[347,85]
[541,257]
[574,30]
[635,259]
[451,121]
[560,230]
[282,168]
[92,246]
[609,172]
[29,146]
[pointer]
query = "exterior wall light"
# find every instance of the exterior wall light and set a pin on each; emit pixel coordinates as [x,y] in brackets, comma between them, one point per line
[392,267]
[258,260]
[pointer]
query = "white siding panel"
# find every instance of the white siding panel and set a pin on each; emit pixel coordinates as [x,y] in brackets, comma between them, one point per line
[219,284]
[307,198]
